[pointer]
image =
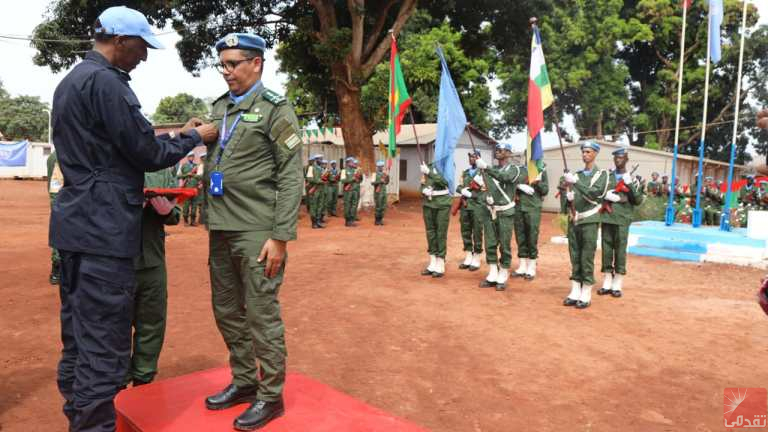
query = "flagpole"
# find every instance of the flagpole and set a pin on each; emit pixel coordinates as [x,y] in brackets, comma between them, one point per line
[696,220]
[669,217]
[725,218]
[416,137]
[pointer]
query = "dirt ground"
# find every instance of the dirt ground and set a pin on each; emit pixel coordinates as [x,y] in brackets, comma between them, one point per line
[442,353]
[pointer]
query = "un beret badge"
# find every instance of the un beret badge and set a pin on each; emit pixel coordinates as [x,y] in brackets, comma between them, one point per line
[231,41]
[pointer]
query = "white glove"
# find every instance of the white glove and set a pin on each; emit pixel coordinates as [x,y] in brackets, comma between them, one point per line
[571,178]
[612,196]
[479,180]
[424,169]
[538,177]
[627,178]
[427,192]
[489,200]
[570,195]
[466,193]
[525,189]
[480,163]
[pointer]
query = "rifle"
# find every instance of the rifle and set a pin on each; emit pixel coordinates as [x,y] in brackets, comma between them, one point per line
[620,187]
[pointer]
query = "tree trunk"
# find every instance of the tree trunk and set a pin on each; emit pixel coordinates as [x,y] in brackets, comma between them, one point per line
[599,127]
[663,135]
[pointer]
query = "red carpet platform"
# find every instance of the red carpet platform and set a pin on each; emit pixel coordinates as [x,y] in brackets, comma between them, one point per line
[176,405]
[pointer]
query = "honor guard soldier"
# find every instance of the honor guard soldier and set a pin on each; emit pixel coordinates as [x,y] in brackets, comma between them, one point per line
[253,193]
[527,221]
[104,145]
[55,182]
[332,189]
[380,182]
[314,190]
[588,187]
[436,208]
[191,178]
[653,188]
[500,183]
[624,193]
[470,215]
[351,177]
[150,304]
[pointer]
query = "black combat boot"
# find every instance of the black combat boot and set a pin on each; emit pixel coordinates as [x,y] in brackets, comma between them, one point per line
[259,414]
[231,396]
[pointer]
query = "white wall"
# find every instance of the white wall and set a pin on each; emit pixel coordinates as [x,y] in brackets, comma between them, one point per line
[37,154]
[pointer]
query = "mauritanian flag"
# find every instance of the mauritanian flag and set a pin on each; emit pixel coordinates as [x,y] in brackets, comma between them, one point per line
[687,4]
[539,98]
[399,100]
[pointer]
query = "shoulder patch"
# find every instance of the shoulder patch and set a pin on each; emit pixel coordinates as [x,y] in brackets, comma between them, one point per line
[274,98]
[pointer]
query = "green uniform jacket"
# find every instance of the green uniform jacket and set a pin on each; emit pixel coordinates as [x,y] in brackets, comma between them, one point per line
[379,179]
[261,167]
[748,195]
[313,176]
[588,195]
[503,193]
[528,203]
[653,188]
[152,224]
[437,182]
[189,175]
[622,211]
[348,177]
[466,179]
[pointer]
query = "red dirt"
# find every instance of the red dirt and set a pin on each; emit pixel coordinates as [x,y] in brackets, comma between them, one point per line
[442,353]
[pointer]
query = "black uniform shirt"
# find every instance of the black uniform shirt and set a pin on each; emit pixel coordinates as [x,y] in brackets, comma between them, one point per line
[104,145]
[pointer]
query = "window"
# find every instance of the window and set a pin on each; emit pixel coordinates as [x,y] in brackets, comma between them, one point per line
[403,169]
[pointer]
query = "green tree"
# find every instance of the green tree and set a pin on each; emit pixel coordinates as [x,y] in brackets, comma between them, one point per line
[179,109]
[23,117]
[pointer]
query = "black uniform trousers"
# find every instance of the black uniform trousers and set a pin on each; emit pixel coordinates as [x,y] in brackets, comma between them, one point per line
[96,310]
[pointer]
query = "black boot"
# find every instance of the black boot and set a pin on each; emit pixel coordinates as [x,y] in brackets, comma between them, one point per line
[230,396]
[314,224]
[55,276]
[259,414]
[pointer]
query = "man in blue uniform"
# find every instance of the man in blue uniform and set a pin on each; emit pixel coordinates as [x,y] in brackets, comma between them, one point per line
[104,145]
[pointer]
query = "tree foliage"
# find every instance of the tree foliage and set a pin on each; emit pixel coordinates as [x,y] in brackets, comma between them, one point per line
[23,117]
[179,109]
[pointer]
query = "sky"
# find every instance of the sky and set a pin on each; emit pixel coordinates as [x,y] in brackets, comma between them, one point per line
[161,75]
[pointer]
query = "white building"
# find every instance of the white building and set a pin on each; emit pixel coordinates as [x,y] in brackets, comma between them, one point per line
[35,167]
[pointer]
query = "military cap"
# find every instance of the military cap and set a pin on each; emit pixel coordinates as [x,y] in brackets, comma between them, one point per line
[333,162]
[325,161]
[317,156]
[590,145]
[123,21]
[620,151]
[244,41]
[349,159]
[474,153]
[380,163]
[655,174]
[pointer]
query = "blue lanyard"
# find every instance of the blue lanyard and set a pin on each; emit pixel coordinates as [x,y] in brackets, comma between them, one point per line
[225,135]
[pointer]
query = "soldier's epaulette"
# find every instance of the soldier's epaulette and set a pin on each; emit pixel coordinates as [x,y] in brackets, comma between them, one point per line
[272,97]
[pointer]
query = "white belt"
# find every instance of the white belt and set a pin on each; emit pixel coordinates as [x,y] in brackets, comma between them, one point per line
[504,207]
[583,215]
[440,192]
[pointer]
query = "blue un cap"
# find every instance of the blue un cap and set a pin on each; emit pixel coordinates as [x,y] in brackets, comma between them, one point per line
[317,156]
[620,151]
[591,145]
[244,41]
[380,163]
[123,21]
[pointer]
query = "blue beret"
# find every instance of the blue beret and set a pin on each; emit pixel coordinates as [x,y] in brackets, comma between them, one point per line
[325,161]
[380,163]
[349,159]
[333,162]
[591,145]
[245,41]
[504,146]
[474,153]
[620,151]
[317,156]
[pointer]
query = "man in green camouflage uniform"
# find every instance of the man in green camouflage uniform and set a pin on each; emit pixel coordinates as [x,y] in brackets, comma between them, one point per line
[470,216]
[332,189]
[55,183]
[191,180]
[380,182]
[624,193]
[712,202]
[253,193]
[314,190]
[653,187]
[749,199]
[588,187]
[151,295]
[323,191]
[351,177]
[500,183]
[436,209]
[527,221]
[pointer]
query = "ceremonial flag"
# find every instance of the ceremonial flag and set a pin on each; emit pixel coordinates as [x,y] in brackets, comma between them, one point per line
[451,123]
[13,155]
[687,3]
[715,21]
[399,100]
[539,98]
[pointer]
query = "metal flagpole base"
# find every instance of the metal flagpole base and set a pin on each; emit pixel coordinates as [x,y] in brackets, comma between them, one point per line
[669,216]
[725,222]
[696,219]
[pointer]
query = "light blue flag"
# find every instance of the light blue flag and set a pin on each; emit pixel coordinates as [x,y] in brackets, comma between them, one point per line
[451,123]
[13,155]
[715,21]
